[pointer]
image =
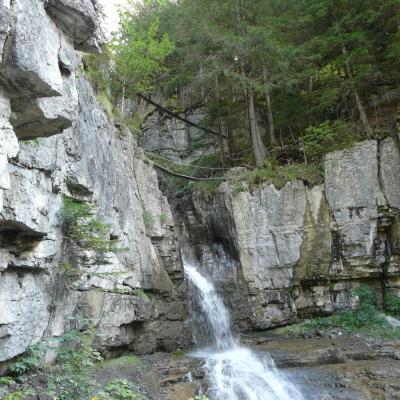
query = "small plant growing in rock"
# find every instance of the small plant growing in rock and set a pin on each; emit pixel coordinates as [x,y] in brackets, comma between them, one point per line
[120,389]
[141,294]
[84,231]
[163,218]
[148,220]
[84,228]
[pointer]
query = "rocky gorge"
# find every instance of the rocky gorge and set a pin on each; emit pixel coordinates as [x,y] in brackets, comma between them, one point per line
[276,255]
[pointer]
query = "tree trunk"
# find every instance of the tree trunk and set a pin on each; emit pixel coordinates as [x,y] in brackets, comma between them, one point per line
[231,143]
[269,111]
[270,120]
[220,124]
[259,150]
[361,109]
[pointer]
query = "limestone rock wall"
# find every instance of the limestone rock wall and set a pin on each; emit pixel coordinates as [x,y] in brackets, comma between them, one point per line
[280,255]
[55,140]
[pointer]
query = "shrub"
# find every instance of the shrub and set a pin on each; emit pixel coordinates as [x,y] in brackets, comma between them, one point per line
[392,305]
[71,378]
[84,230]
[30,361]
[316,140]
[6,380]
[326,137]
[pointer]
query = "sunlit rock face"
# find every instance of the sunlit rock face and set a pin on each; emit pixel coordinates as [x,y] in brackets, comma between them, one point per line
[67,146]
[296,252]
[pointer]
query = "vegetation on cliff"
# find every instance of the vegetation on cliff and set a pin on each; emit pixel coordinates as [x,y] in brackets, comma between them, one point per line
[282,80]
[366,319]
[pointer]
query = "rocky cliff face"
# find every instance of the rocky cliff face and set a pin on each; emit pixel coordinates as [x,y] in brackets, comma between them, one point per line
[68,147]
[280,255]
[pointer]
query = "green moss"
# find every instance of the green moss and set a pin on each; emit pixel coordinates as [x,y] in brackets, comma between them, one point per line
[124,361]
[178,353]
[32,142]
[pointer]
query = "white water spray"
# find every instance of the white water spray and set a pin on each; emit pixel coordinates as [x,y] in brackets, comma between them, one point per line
[234,372]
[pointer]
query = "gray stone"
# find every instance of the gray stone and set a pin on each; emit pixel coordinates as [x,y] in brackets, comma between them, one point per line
[90,162]
[393,322]
[30,59]
[354,194]
[77,18]
[390,171]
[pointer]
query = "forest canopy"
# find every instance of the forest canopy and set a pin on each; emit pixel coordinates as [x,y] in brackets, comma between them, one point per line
[281,81]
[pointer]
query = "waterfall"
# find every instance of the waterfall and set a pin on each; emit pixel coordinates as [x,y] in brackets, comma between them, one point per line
[233,371]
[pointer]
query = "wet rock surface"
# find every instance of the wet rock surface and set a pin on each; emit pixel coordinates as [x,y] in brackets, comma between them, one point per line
[343,368]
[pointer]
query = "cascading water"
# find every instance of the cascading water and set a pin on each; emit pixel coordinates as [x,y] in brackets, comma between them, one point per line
[234,372]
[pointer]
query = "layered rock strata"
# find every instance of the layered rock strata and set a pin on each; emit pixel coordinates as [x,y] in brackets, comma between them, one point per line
[300,251]
[56,141]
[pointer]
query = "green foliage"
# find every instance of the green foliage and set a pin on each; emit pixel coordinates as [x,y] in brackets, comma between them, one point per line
[120,389]
[96,67]
[30,361]
[6,380]
[366,320]
[392,305]
[84,230]
[279,175]
[20,395]
[316,139]
[328,136]
[69,269]
[138,53]
[207,189]
[163,218]
[304,63]
[141,294]
[72,377]
[107,105]
[33,142]
[148,220]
